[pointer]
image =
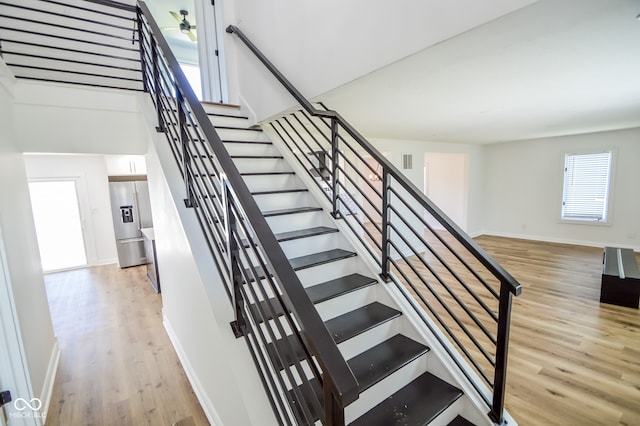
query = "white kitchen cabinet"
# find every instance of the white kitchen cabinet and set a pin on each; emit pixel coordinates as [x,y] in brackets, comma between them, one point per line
[124,165]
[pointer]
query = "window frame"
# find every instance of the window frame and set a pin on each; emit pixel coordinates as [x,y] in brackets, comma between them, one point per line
[609,192]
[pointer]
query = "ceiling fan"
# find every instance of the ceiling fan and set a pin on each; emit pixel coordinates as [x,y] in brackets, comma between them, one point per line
[183,25]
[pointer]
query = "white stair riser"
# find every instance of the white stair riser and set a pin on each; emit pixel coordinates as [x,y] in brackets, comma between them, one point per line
[360,343]
[328,271]
[250,149]
[222,109]
[291,222]
[271,182]
[315,244]
[337,306]
[218,120]
[284,200]
[240,135]
[383,389]
[261,165]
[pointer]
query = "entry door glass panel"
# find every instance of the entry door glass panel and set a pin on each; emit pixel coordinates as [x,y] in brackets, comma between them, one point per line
[58,224]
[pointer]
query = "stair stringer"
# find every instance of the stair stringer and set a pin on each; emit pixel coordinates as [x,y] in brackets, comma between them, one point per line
[241,400]
[472,405]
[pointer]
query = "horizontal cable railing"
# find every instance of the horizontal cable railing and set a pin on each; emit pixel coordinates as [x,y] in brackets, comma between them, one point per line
[272,309]
[462,294]
[66,42]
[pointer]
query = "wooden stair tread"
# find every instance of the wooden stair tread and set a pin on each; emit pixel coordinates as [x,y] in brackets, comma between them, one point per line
[280,191]
[349,325]
[418,403]
[370,367]
[460,421]
[304,233]
[330,289]
[294,210]
[353,324]
[320,258]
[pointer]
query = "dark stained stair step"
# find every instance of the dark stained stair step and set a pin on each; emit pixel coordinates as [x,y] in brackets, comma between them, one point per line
[251,129]
[216,114]
[375,364]
[460,421]
[294,210]
[248,142]
[349,325]
[258,157]
[308,261]
[280,191]
[299,234]
[267,173]
[418,403]
[316,259]
[322,292]
[339,286]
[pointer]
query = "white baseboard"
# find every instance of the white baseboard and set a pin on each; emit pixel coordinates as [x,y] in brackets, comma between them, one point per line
[47,388]
[198,389]
[584,243]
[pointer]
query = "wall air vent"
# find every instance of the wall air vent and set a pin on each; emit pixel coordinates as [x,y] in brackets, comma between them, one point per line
[407,161]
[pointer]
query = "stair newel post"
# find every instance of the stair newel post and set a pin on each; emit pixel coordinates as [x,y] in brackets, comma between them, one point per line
[502,349]
[238,326]
[334,169]
[143,60]
[385,225]
[156,85]
[333,410]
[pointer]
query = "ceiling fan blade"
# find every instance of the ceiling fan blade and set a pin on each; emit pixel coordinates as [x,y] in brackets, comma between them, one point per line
[191,36]
[175,16]
[192,27]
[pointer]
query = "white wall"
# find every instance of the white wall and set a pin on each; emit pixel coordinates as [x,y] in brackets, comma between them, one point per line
[473,205]
[93,197]
[446,184]
[523,191]
[320,45]
[196,309]
[40,346]
[67,119]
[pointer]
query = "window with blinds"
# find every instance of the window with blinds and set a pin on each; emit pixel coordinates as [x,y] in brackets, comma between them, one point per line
[586,186]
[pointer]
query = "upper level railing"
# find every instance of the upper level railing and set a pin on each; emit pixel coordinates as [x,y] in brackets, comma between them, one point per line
[70,42]
[267,296]
[461,293]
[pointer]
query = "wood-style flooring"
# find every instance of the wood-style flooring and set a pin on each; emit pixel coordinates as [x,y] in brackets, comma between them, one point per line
[572,360]
[117,364]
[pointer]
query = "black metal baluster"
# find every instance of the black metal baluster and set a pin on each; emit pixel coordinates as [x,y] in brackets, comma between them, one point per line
[502,349]
[143,61]
[239,326]
[156,85]
[386,248]
[186,156]
[334,169]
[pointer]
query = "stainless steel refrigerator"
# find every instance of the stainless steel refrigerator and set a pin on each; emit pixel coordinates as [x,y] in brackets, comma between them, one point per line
[131,210]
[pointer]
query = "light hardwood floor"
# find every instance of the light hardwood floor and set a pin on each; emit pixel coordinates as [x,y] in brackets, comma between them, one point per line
[572,360]
[117,364]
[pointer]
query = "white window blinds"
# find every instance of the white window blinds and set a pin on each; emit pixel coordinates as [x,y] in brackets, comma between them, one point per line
[586,186]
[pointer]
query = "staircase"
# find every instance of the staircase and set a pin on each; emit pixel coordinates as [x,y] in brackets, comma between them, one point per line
[342,327]
[392,363]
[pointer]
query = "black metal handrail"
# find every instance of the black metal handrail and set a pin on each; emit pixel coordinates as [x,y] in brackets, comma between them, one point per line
[265,291]
[397,248]
[63,42]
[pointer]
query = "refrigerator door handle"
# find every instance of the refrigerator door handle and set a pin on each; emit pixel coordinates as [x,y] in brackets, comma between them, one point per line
[131,240]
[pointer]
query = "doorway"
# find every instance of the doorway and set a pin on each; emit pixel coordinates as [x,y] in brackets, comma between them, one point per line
[58,223]
[445,183]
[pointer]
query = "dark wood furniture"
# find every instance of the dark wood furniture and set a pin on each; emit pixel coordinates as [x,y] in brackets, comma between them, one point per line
[620,278]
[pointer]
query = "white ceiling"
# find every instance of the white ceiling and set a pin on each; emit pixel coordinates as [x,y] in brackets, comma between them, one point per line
[556,67]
